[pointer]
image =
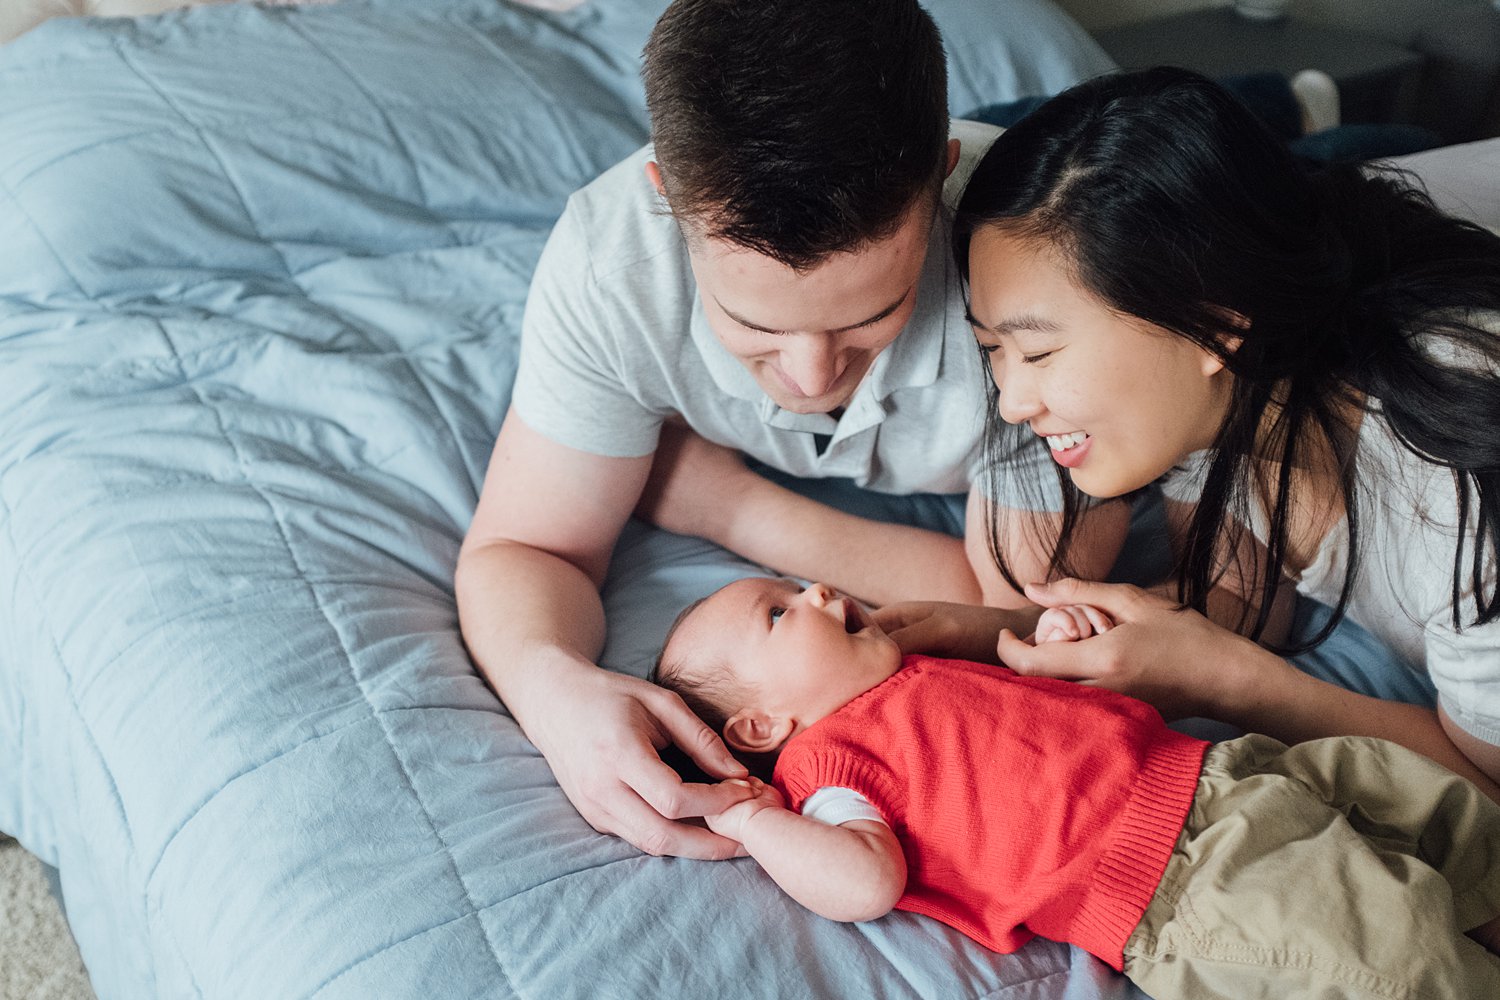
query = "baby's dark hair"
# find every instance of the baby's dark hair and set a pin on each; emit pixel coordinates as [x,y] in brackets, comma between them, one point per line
[708,689]
[705,687]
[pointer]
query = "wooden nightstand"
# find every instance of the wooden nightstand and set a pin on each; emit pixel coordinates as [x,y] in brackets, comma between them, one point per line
[1377,79]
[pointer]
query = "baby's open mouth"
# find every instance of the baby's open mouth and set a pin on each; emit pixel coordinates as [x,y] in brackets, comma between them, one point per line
[854,618]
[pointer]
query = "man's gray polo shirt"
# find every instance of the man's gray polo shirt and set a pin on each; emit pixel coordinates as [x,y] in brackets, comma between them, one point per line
[615,341]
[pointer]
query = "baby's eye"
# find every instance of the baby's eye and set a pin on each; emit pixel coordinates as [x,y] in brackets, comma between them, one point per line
[1032,359]
[776,614]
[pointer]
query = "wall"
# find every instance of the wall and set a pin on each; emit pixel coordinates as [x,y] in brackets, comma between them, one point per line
[1398,20]
[1109,13]
[1459,92]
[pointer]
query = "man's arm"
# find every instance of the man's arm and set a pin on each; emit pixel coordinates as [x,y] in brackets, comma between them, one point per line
[964,630]
[876,561]
[528,600]
[701,488]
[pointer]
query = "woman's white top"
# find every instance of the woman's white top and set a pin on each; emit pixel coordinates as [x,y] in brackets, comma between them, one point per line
[1403,589]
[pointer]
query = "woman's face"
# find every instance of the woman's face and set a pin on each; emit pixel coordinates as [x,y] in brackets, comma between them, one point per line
[1119,401]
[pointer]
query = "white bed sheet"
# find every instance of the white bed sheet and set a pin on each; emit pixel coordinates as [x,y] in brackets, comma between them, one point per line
[1463,180]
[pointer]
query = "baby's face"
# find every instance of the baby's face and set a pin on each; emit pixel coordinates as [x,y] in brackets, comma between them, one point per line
[804,653]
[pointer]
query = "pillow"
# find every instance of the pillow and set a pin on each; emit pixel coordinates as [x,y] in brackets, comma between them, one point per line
[1004,51]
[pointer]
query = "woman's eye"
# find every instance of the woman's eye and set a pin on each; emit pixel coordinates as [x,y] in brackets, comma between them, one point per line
[989,348]
[776,614]
[1032,359]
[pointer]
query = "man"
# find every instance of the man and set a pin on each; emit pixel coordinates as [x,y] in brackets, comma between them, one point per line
[774,273]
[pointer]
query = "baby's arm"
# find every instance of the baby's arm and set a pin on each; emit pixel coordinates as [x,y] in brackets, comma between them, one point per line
[855,871]
[1071,622]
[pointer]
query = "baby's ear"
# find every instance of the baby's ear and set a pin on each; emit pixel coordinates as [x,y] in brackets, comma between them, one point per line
[752,731]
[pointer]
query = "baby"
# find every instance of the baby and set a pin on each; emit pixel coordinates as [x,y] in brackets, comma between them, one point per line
[1009,806]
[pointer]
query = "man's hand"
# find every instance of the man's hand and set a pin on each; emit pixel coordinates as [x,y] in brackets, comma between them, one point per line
[527,585]
[603,749]
[943,628]
[694,484]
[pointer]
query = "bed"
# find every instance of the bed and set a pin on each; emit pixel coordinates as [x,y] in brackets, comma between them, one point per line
[259,294]
[261,274]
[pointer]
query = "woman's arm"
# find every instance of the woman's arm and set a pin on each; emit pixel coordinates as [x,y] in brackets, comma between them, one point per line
[1486,756]
[1275,698]
[1185,665]
[1234,601]
[851,872]
[1027,541]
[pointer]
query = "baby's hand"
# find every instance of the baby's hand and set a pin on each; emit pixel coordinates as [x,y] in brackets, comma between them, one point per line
[731,822]
[1071,622]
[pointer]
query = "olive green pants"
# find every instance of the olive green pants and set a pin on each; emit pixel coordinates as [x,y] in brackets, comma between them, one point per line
[1345,867]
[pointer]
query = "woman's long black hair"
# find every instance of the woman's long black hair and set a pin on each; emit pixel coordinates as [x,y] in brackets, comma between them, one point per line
[1177,206]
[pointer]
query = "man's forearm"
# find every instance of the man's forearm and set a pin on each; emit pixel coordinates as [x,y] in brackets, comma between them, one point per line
[872,560]
[519,607]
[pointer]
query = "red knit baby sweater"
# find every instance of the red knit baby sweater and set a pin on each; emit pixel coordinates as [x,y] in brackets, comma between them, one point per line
[1024,805]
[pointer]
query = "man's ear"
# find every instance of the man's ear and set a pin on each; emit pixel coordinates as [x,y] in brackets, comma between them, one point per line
[954,147]
[653,174]
[750,731]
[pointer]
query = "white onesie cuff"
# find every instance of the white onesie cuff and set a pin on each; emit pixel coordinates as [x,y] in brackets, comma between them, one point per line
[837,806]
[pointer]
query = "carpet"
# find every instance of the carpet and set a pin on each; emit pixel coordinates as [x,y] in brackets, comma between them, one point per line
[38,959]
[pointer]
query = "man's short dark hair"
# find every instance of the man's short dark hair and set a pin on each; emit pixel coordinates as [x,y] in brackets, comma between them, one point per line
[797,128]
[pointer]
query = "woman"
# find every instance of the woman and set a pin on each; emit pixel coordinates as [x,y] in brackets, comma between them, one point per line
[1307,365]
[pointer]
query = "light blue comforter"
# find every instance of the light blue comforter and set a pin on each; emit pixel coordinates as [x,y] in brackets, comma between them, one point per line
[261,272]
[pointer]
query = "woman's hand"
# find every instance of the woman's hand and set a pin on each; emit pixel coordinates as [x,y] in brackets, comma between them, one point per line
[960,631]
[1175,659]
[694,485]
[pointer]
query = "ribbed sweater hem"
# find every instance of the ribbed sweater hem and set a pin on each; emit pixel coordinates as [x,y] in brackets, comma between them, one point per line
[1131,868]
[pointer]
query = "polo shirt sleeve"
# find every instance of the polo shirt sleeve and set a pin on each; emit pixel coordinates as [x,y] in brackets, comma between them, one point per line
[571,386]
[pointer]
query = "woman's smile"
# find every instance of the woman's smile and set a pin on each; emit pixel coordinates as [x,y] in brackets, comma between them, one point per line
[1069,450]
[1062,360]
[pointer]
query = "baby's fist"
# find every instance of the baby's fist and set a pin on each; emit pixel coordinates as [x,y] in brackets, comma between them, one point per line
[731,822]
[1071,622]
